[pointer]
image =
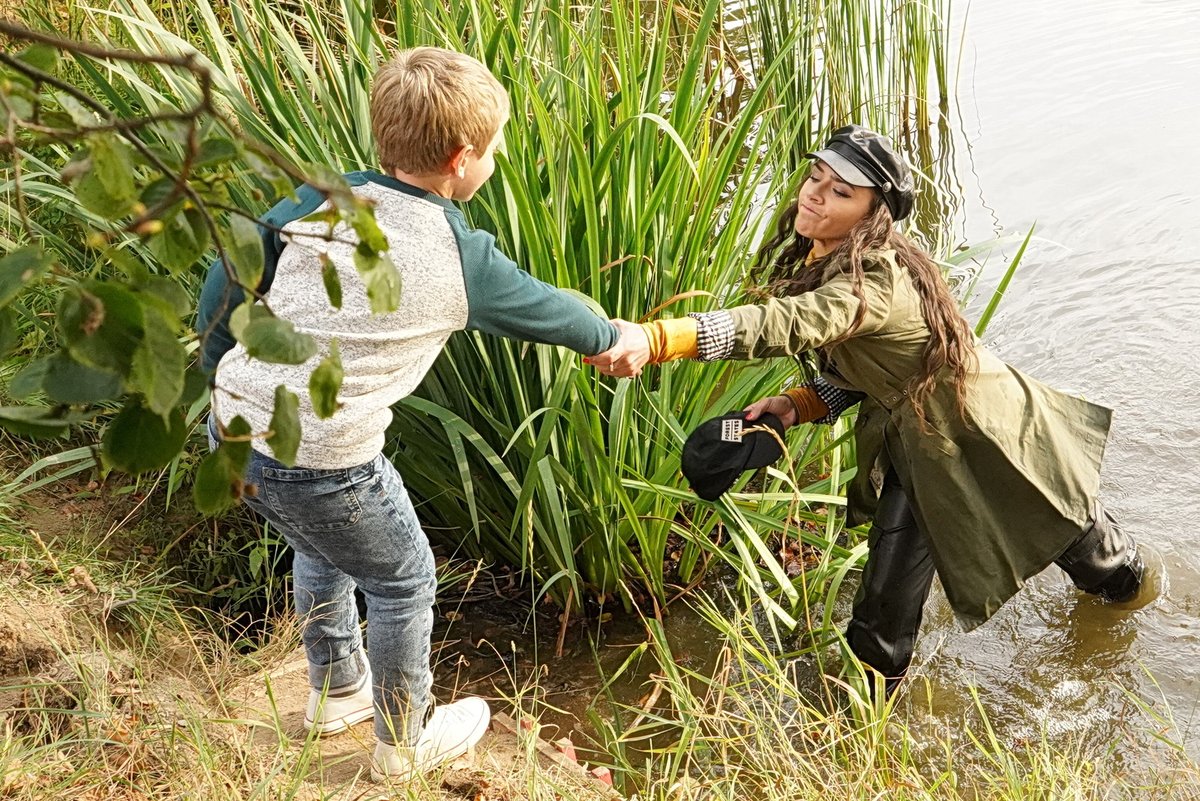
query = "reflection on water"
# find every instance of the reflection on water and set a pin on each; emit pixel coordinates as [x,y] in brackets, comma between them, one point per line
[1085,138]
[939,201]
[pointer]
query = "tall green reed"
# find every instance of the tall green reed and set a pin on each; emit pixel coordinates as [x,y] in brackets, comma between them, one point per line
[652,183]
[646,150]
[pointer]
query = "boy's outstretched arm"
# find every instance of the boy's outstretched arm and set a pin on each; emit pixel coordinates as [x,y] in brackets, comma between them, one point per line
[504,300]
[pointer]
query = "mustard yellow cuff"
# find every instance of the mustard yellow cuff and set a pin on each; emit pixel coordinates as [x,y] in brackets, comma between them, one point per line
[808,403]
[671,339]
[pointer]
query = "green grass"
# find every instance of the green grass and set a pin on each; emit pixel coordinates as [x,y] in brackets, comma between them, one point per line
[771,721]
[113,686]
[127,693]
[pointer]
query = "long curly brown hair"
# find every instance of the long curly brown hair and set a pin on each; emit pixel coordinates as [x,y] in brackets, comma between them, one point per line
[780,270]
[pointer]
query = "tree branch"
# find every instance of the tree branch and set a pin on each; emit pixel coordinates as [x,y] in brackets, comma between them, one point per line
[16,30]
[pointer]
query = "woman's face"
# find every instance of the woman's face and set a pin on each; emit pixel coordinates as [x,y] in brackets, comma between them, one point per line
[828,207]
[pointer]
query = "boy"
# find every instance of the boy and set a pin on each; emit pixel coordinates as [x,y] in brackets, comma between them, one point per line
[437,117]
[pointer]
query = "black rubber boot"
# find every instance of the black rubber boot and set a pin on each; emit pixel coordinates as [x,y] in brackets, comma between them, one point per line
[1104,560]
[895,583]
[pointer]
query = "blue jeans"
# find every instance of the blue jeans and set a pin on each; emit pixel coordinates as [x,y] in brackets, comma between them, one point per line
[356,527]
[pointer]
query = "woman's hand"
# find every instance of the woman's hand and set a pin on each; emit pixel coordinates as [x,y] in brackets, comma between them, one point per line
[779,405]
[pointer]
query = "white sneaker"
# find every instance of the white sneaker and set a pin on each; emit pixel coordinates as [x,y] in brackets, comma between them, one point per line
[452,730]
[330,714]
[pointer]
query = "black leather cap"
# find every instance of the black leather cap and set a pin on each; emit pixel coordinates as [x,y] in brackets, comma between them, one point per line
[719,451]
[862,157]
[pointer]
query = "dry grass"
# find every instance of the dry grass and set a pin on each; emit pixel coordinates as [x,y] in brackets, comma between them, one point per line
[111,688]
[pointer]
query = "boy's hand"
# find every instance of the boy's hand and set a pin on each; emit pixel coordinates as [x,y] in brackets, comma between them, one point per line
[626,358]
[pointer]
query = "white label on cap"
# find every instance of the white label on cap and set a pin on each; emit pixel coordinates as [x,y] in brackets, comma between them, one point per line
[731,430]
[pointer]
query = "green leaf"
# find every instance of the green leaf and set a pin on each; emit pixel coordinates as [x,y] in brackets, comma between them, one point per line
[106,186]
[167,293]
[256,561]
[20,267]
[218,481]
[195,382]
[280,182]
[244,250]
[369,233]
[38,422]
[10,333]
[18,106]
[215,150]
[240,317]
[101,325]
[27,381]
[139,439]
[55,119]
[169,155]
[332,183]
[274,340]
[328,215]
[131,266]
[324,383]
[157,192]
[285,426]
[40,56]
[67,381]
[238,447]
[80,114]
[381,277]
[183,239]
[158,365]
[212,492]
[333,284]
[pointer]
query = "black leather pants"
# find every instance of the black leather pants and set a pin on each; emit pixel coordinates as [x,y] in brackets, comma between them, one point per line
[895,583]
[1105,560]
[899,570]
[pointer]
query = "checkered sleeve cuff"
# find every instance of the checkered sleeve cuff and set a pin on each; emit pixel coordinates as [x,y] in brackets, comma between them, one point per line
[837,399]
[714,335]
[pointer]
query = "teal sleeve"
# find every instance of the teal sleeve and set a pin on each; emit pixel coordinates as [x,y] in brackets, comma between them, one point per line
[504,300]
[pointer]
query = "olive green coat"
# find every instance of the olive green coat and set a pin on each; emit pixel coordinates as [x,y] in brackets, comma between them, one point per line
[1000,496]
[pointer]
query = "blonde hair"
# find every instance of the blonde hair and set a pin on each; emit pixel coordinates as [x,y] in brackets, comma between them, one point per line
[427,102]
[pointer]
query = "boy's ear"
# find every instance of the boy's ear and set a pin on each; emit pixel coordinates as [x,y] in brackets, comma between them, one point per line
[457,164]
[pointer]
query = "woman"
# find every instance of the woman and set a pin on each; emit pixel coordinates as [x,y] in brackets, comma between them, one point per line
[968,468]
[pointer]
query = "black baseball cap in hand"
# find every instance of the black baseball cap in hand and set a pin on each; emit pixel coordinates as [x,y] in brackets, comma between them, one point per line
[720,450]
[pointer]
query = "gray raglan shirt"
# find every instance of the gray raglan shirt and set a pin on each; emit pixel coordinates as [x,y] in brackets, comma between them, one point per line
[453,277]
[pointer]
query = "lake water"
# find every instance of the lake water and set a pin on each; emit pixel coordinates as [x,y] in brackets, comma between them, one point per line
[1082,116]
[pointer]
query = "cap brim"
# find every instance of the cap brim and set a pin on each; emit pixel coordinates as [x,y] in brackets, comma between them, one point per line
[842,166]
